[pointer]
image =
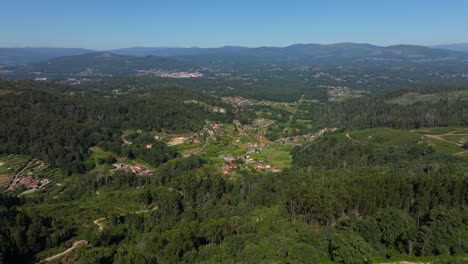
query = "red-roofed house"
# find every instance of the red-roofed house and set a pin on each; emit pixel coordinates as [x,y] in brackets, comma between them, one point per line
[229,168]
[260,166]
[35,184]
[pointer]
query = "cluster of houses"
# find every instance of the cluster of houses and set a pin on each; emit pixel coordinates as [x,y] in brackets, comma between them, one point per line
[297,138]
[237,100]
[218,110]
[259,126]
[305,137]
[165,74]
[241,101]
[263,166]
[262,122]
[29,182]
[248,160]
[229,168]
[258,145]
[230,165]
[209,130]
[137,169]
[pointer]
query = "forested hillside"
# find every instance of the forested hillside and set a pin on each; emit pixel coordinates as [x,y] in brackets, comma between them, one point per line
[162,174]
[60,128]
[406,110]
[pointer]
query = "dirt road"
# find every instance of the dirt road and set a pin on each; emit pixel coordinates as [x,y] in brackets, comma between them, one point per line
[67,251]
[101,226]
[202,148]
[440,137]
[348,136]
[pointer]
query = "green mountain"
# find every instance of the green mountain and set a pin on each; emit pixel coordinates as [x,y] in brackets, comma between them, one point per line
[134,61]
[340,53]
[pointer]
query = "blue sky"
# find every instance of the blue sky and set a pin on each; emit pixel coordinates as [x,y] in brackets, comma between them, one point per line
[104,24]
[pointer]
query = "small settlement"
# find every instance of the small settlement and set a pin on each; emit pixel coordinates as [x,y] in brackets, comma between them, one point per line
[28,178]
[137,169]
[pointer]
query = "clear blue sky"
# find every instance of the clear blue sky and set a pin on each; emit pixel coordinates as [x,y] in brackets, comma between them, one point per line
[105,24]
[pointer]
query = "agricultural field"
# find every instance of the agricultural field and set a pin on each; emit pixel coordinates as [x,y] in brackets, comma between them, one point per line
[265,141]
[385,137]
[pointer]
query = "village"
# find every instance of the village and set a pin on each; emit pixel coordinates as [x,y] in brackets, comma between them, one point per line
[230,148]
[29,175]
[138,169]
[167,74]
[235,147]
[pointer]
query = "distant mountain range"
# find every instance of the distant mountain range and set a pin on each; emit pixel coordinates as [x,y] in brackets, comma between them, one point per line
[15,56]
[136,60]
[462,47]
[94,65]
[313,53]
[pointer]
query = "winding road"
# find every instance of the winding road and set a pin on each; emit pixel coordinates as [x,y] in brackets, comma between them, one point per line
[70,249]
[84,242]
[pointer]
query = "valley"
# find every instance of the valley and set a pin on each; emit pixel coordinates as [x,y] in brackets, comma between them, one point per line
[120,159]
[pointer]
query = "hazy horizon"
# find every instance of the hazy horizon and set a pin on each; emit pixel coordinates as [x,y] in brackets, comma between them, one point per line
[107,25]
[222,46]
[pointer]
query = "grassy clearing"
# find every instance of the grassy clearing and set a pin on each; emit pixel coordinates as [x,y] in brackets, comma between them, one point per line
[461,131]
[188,147]
[456,138]
[443,147]
[386,137]
[276,155]
[414,259]
[438,130]
[394,137]
[5,179]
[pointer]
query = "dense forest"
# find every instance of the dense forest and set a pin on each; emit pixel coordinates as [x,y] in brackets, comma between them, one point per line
[382,111]
[343,200]
[60,128]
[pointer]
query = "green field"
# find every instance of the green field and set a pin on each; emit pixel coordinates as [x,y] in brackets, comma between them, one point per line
[443,140]
[386,136]
[438,130]
[460,139]
[276,155]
